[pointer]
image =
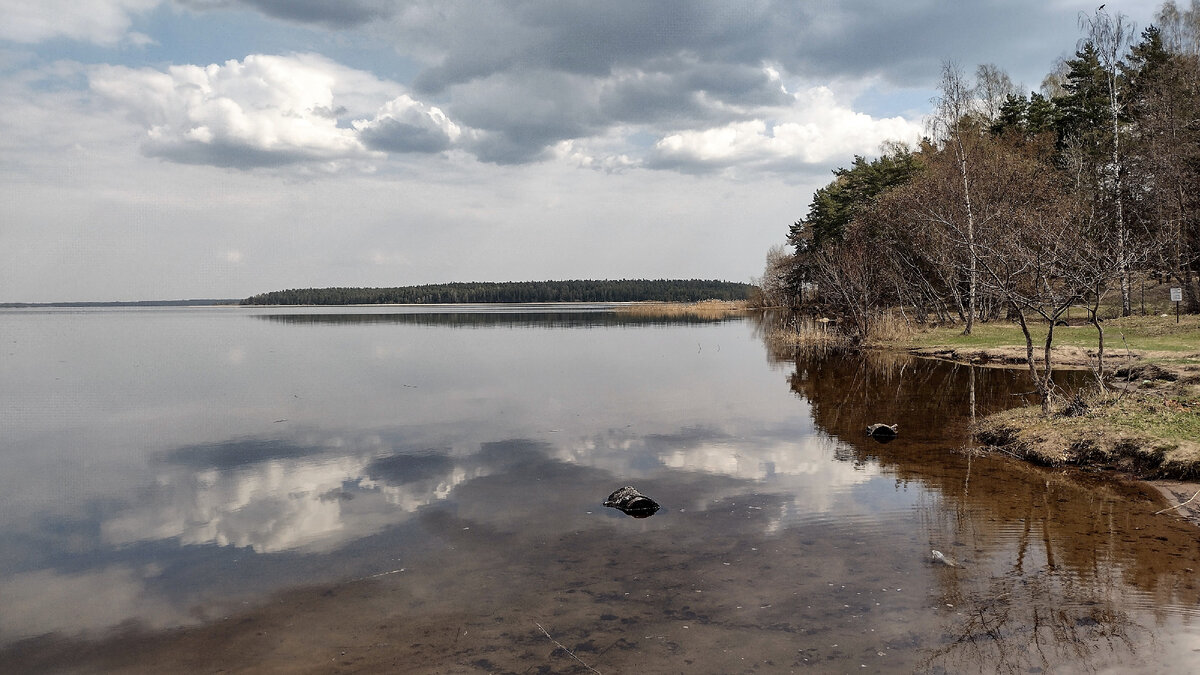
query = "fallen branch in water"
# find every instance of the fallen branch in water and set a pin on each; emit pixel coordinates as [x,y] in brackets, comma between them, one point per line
[1172,508]
[564,648]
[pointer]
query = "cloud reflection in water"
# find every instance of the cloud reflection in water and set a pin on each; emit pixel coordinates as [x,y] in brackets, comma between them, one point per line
[315,494]
[46,601]
[292,498]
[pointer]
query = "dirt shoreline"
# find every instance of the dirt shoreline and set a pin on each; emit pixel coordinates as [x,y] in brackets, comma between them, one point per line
[1066,357]
[1094,438]
[1002,357]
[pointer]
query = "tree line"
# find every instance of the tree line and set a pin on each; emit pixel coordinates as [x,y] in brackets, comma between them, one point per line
[499,319]
[624,290]
[1018,205]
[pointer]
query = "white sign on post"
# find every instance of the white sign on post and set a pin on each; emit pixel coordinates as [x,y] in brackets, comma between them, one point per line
[1176,294]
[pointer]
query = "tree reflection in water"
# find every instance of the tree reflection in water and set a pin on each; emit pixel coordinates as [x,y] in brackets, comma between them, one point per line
[1059,569]
[1019,622]
[1013,606]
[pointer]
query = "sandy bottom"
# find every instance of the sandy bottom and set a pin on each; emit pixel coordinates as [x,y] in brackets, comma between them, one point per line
[629,596]
[624,597]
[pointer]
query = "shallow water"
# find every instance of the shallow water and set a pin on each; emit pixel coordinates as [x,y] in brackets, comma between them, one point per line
[420,489]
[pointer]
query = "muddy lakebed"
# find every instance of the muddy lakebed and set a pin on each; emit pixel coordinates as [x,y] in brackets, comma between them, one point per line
[421,489]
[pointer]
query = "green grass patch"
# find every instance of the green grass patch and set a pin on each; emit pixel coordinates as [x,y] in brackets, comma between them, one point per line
[1141,333]
[1161,421]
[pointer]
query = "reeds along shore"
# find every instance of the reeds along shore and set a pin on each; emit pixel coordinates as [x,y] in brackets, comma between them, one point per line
[705,309]
[795,330]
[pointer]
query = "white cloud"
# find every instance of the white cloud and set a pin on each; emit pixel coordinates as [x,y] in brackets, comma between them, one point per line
[261,111]
[816,129]
[306,109]
[406,125]
[104,22]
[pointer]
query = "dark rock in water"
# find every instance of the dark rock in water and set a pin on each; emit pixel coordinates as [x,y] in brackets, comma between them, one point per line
[883,432]
[631,502]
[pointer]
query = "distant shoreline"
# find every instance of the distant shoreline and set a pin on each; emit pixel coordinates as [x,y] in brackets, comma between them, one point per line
[506,292]
[455,293]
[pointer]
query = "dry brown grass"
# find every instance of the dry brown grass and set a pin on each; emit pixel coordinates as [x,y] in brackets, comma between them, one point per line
[806,332]
[705,309]
[890,328]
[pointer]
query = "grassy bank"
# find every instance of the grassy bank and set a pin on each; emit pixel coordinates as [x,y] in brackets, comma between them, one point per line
[1153,337]
[1144,421]
[1150,430]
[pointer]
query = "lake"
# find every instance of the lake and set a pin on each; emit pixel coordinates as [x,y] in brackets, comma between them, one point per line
[420,489]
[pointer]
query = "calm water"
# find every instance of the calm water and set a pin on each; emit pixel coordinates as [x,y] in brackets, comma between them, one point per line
[178,467]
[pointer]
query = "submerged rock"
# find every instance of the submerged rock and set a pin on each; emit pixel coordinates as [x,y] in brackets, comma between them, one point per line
[632,503]
[883,432]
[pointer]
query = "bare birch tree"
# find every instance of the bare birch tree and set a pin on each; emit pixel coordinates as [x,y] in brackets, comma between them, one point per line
[1111,37]
[955,125]
[993,87]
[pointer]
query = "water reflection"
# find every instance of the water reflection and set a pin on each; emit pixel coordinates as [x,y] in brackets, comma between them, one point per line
[474,459]
[272,506]
[317,492]
[1053,567]
[48,601]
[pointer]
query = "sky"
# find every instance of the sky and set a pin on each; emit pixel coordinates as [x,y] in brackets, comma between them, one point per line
[172,149]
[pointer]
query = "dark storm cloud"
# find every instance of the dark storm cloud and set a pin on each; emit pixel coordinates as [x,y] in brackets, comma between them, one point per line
[392,135]
[525,75]
[903,43]
[339,14]
[691,65]
[587,38]
[521,114]
[511,147]
[677,90]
